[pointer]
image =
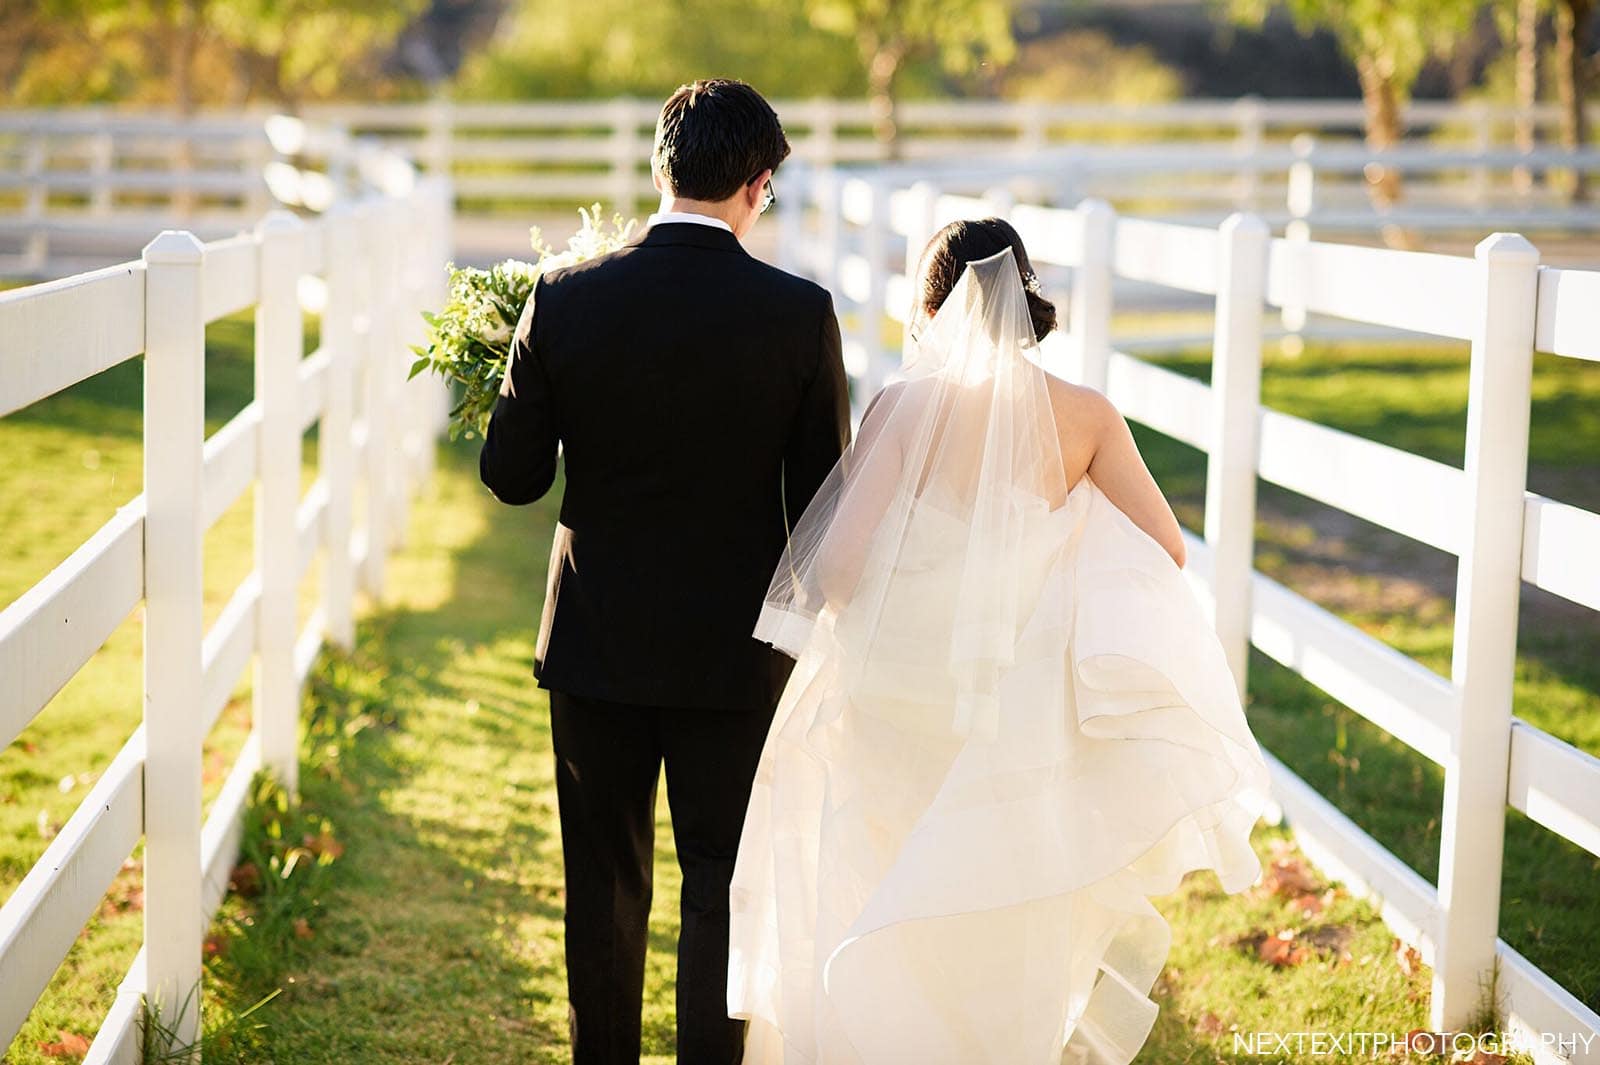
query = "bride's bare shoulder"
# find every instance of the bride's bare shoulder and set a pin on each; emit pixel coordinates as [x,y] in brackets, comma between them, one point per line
[1082,413]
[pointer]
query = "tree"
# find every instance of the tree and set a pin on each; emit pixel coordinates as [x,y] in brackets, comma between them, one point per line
[550,49]
[297,50]
[1389,41]
[960,34]
[1573,23]
[193,52]
[1525,32]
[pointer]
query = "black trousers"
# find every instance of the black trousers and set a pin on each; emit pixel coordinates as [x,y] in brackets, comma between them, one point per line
[608,761]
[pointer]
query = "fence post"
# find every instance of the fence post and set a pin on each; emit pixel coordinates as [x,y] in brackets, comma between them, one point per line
[1302,201]
[440,145]
[1252,127]
[875,249]
[280,341]
[1482,142]
[36,253]
[924,216]
[444,216]
[335,450]
[1230,516]
[1484,656]
[392,371]
[792,216]
[823,141]
[415,392]
[624,154]
[1089,343]
[830,242]
[1000,199]
[174,438]
[375,442]
[102,166]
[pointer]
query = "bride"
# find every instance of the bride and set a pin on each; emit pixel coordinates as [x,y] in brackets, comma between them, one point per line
[1008,724]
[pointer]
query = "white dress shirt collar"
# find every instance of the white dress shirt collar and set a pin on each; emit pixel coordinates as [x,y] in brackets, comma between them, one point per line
[685,216]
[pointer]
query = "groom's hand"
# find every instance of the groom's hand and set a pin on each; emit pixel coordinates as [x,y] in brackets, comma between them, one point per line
[518,459]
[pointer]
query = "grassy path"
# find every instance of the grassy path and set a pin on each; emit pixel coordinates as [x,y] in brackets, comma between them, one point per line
[436,936]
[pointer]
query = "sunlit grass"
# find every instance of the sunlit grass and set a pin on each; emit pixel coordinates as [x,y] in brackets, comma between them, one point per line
[437,934]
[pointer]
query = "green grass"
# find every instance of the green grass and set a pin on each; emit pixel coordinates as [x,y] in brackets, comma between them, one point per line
[1414,397]
[445,908]
[72,460]
[436,935]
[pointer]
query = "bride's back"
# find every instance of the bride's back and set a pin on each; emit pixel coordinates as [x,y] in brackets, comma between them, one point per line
[1087,435]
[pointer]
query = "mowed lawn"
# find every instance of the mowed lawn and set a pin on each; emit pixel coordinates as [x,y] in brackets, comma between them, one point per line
[433,931]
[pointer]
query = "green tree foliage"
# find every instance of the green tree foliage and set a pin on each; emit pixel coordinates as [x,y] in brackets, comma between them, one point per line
[185,53]
[603,48]
[1389,41]
[960,35]
[793,48]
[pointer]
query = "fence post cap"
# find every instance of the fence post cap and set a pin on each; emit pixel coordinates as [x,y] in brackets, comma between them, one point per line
[1244,223]
[278,220]
[1506,246]
[174,246]
[1093,207]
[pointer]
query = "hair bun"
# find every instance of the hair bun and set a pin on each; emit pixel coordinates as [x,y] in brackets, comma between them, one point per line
[1042,311]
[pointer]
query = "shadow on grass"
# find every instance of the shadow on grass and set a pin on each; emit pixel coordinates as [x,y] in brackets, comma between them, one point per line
[436,933]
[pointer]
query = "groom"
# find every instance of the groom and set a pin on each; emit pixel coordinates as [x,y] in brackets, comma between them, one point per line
[699,397]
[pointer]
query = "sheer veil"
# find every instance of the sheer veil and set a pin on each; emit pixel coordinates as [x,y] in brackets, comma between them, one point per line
[1009,715]
[967,440]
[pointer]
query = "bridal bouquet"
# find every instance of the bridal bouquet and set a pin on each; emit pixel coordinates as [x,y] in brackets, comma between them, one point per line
[470,339]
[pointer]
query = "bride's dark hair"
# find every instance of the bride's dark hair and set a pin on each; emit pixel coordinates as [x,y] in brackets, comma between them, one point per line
[965,241]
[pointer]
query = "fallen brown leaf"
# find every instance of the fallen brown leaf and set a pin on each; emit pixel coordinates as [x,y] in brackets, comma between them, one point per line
[72,1045]
[302,928]
[324,843]
[245,880]
[1406,956]
[1283,949]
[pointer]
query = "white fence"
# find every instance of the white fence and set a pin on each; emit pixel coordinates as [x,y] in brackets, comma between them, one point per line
[85,174]
[92,179]
[381,258]
[1507,305]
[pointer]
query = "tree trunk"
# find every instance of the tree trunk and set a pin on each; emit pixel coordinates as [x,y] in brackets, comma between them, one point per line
[1381,98]
[187,21]
[1527,87]
[884,57]
[1573,19]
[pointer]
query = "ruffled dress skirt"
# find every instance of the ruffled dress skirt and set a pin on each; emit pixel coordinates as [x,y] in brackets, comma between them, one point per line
[907,893]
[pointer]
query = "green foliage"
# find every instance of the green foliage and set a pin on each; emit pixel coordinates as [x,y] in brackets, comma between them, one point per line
[960,34]
[1396,36]
[1089,65]
[470,338]
[191,52]
[310,48]
[559,49]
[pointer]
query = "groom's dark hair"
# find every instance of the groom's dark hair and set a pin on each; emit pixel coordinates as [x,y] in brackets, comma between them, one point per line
[714,135]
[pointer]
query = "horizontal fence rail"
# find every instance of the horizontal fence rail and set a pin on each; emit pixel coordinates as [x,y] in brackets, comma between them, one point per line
[76,174]
[859,231]
[381,258]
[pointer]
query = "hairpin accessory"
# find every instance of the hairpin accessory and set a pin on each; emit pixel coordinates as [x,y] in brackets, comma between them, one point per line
[1030,282]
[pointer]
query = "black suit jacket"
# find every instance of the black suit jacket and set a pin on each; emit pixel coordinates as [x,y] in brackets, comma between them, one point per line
[698,395]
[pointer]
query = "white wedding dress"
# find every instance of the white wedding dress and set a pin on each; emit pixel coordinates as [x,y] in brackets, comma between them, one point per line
[1012,726]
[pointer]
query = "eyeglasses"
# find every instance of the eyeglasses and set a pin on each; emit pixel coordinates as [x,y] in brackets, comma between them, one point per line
[769,196]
